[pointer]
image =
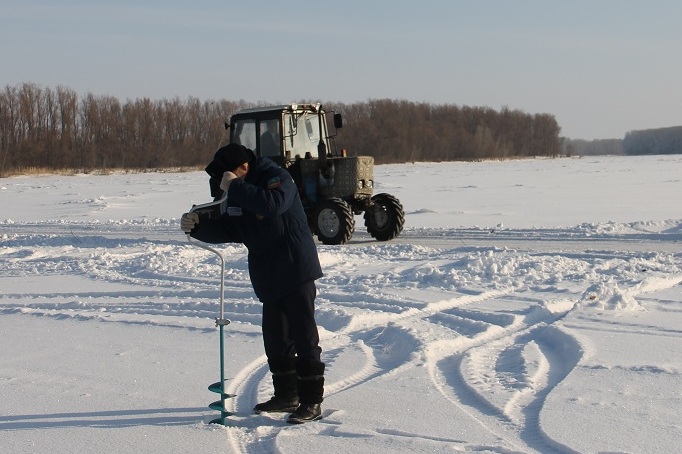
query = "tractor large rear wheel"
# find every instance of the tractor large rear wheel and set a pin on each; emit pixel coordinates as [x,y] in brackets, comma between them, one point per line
[334,221]
[385,217]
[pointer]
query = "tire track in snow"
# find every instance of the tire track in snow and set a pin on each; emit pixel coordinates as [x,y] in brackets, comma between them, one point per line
[448,361]
[559,353]
[503,376]
[247,432]
[367,321]
[369,329]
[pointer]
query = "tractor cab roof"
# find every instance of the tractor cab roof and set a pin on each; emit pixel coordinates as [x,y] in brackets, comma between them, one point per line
[269,110]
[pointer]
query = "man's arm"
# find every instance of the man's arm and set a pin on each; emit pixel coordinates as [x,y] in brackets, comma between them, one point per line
[217,231]
[268,202]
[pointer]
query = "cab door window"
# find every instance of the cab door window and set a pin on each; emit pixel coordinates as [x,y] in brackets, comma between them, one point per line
[244,133]
[270,139]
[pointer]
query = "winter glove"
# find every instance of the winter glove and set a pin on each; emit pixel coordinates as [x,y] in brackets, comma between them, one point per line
[189,221]
[228,178]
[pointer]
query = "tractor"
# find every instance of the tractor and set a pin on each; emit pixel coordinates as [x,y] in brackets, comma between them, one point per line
[334,187]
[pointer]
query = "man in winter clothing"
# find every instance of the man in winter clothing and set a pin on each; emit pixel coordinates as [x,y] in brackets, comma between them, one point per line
[264,212]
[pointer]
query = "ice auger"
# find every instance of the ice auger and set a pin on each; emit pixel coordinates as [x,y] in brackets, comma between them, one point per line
[207,211]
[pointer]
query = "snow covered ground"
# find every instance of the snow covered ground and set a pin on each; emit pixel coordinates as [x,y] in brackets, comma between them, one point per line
[529,306]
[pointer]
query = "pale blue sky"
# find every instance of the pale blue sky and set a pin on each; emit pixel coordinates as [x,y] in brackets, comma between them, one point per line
[601,67]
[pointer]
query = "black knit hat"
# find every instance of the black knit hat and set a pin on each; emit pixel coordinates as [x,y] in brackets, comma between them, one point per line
[229,158]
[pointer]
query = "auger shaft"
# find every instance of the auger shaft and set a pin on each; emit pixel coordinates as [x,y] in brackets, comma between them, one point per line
[220,322]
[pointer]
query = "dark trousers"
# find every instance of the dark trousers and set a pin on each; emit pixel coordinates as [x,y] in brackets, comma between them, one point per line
[289,328]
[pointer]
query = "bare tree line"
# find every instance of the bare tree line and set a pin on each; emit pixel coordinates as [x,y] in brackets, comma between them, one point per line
[639,142]
[404,131]
[579,147]
[654,141]
[56,129]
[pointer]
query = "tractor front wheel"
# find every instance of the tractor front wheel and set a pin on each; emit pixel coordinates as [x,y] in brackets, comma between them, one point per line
[334,221]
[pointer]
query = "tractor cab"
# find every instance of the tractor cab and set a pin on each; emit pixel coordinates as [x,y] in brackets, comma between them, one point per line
[284,133]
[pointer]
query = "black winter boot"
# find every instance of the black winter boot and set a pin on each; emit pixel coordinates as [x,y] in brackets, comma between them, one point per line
[285,382]
[305,413]
[310,392]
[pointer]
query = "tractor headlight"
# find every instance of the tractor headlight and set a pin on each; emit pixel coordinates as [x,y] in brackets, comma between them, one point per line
[361,184]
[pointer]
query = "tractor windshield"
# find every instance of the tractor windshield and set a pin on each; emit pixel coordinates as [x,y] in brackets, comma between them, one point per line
[302,134]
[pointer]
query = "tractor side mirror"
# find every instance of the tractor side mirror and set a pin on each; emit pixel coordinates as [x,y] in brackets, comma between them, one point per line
[338,121]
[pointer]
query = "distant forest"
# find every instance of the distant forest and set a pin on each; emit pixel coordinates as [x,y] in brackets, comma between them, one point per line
[56,129]
[642,142]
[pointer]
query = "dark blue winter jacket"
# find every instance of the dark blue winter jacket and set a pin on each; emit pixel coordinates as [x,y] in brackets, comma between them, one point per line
[265,213]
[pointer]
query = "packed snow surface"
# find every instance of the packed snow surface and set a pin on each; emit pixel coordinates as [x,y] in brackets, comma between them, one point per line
[529,306]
